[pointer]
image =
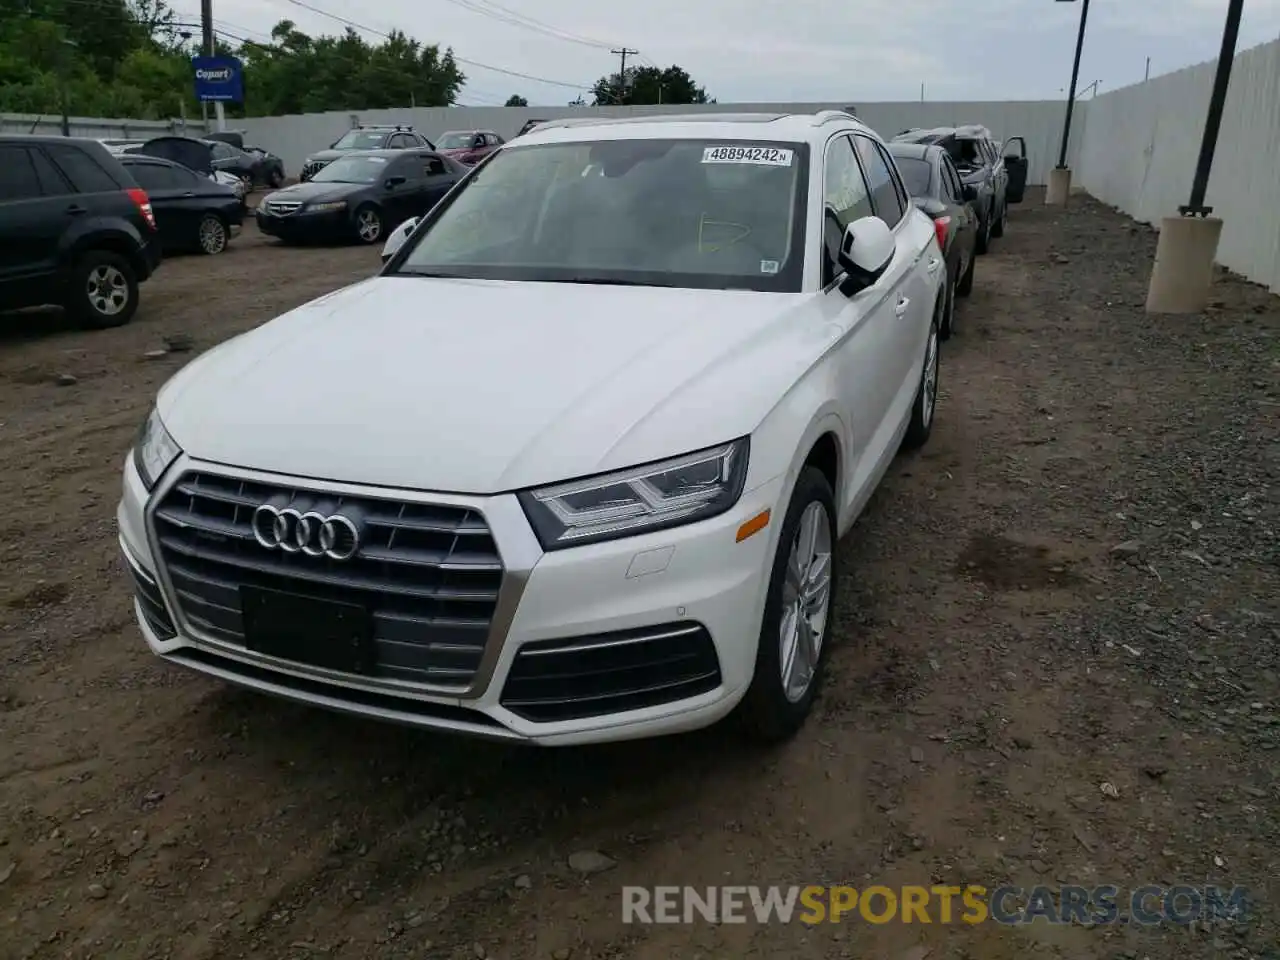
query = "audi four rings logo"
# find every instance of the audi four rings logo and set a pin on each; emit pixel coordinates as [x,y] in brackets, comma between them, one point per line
[310,533]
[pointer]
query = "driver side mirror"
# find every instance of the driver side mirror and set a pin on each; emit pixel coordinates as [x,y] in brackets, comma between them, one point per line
[866,250]
[968,193]
[394,182]
[398,236]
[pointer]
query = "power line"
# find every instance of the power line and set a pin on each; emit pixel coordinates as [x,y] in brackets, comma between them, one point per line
[495,11]
[472,63]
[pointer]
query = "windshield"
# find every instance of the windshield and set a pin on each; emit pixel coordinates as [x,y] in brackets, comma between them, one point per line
[675,213]
[360,140]
[455,141]
[352,170]
[916,174]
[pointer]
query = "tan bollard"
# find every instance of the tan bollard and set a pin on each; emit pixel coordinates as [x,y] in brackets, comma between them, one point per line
[1059,187]
[1183,272]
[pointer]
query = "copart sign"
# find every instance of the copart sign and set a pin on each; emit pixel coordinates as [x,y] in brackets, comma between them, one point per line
[219,78]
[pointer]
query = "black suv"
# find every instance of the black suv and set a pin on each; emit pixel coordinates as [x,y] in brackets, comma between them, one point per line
[366,137]
[75,230]
[979,161]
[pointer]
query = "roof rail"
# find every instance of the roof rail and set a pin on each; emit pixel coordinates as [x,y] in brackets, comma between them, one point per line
[826,116]
[567,122]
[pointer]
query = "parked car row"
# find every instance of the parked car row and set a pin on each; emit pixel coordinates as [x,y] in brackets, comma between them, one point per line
[466,146]
[646,542]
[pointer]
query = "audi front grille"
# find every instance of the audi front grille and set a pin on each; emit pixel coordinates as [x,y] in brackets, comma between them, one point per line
[428,574]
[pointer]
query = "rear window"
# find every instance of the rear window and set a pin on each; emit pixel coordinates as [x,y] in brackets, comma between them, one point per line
[916,174]
[82,169]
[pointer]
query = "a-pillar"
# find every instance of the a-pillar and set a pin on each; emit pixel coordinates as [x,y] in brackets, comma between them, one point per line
[1059,187]
[1183,271]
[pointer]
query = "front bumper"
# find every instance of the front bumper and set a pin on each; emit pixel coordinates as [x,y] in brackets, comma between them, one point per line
[329,225]
[581,641]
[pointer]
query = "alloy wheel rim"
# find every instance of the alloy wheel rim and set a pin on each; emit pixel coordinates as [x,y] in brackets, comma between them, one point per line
[369,226]
[930,386]
[212,237]
[107,289]
[806,597]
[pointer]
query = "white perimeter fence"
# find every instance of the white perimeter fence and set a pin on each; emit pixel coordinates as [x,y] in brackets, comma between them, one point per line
[1134,148]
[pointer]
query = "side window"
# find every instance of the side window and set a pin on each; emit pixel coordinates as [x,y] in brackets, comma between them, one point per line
[84,172]
[18,180]
[399,141]
[945,185]
[886,197]
[436,167]
[844,200]
[221,151]
[953,178]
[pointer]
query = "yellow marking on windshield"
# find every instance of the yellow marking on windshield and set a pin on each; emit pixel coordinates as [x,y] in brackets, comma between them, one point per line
[704,222]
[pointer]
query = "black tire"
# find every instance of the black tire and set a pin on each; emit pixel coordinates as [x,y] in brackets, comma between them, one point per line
[923,409]
[947,322]
[983,243]
[276,179]
[104,290]
[767,713]
[965,286]
[997,229]
[211,235]
[367,215]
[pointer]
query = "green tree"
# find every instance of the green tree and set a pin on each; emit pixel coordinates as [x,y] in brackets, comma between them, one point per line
[515,100]
[646,85]
[127,58]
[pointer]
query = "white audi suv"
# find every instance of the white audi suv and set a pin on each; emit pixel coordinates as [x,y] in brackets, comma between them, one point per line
[573,466]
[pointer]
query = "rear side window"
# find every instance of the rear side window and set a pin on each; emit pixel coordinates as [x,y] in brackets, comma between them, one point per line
[885,198]
[82,169]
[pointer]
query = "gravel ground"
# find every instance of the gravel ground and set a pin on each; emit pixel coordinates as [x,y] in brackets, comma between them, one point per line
[1077,583]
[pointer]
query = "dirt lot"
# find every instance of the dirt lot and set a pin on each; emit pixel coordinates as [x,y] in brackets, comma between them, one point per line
[1077,583]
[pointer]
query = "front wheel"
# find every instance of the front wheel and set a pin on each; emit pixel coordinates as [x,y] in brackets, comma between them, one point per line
[998,229]
[368,224]
[922,410]
[793,644]
[965,287]
[948,323]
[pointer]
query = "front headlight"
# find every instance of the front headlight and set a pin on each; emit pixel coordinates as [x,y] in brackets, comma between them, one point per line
[325,207]
[154,451]
[658,495]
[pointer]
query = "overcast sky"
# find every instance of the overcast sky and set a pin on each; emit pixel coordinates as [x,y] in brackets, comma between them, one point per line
[798,50]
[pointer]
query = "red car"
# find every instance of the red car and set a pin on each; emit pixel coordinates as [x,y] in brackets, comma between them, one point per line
[468,146]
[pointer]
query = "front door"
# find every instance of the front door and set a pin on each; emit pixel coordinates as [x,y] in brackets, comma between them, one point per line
[1015,161]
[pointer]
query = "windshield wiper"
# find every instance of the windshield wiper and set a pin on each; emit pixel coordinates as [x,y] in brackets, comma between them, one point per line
[617,283]
[433,274]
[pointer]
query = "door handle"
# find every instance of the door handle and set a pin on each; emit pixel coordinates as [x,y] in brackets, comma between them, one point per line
[901,308]
[189,194]
[75,209]
[932,266]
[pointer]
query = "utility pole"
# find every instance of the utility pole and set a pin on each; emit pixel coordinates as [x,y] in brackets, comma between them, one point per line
[1147,73]
[622,69]
[206,47]
[1060,176]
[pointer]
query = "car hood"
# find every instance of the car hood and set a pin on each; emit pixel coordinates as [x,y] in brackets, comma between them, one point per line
[327,155]
[471,386]
[312,192]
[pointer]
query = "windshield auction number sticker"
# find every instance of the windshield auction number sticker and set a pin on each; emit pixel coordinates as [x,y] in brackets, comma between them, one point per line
[765,156]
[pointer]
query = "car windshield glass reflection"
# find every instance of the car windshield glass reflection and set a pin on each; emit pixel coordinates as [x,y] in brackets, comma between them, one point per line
[678,213]
[360,140]
[455,141]
[915,174]
[352,170]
